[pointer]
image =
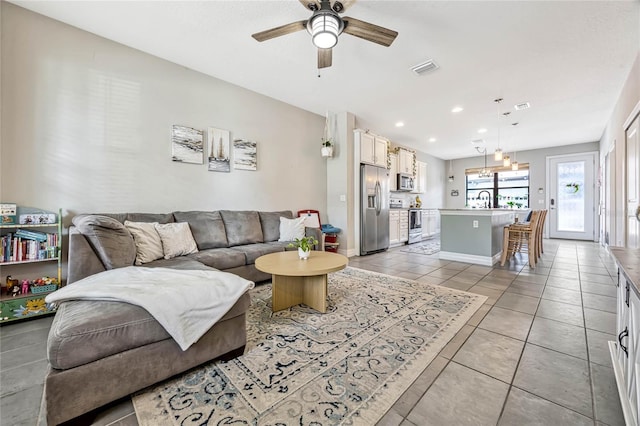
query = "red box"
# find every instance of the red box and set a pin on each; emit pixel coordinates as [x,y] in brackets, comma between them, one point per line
[330,238]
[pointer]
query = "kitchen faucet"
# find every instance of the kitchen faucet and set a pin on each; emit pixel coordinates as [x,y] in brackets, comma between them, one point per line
[486,204]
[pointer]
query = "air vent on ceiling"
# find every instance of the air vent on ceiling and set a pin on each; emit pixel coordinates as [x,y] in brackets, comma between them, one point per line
[523,105]
[425,67]
[477,142]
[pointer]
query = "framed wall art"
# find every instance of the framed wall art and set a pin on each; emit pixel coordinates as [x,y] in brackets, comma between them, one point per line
[218,155]
[245,155]
[187,145]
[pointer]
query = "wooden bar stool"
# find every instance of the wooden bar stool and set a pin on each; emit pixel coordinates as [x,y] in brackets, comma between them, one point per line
[521,237]
[541,221]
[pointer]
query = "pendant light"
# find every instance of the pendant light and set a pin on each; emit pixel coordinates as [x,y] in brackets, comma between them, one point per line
[497,155]
[514,163]
[506,161]
[485,172]
[451,176]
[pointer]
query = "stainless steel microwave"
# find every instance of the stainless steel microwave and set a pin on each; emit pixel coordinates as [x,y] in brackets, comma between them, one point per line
[405,182]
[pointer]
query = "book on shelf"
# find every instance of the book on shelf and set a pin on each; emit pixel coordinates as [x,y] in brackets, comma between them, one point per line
[31,235]
[14,248]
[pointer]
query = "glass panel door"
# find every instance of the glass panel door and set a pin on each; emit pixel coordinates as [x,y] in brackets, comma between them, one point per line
[571,196]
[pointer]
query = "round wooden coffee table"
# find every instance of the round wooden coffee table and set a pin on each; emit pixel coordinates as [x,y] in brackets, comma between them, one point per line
[296,281]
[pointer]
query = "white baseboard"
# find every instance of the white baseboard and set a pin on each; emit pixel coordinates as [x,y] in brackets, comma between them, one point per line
[470,258]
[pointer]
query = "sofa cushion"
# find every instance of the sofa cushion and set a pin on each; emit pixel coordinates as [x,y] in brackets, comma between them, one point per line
[254,251]
[151,217]
[220,258]
[207,228]
[242,227]
[110,239]
[270,222]
[182,262]
[85,331]
[177,239]
[147,240]
[291,229]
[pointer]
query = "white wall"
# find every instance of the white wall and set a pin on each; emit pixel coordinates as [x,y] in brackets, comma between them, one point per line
[613,137]
[86,127]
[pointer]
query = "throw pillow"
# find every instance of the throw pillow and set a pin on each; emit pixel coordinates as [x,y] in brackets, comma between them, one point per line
[290,229]
[177,239]
[147,239]
[111,240]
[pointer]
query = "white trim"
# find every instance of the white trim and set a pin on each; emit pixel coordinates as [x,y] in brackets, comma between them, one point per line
[470,258]
[634,113]
[595,155]
[620,382]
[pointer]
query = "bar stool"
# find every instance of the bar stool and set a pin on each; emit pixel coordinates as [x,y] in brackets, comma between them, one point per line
[541,222]
[522,237]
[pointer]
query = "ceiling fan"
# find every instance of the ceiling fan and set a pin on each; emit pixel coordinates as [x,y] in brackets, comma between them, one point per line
[325,25]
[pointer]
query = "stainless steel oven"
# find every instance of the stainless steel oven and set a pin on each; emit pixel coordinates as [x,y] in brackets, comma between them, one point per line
[415,226]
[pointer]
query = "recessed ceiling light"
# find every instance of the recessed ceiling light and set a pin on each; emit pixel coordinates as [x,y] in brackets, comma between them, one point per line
[457,109]
[483,130]
[399,124]
[432,139]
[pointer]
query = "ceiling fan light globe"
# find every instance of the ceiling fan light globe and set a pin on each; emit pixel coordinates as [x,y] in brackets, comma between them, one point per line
[325,40]
[324,30]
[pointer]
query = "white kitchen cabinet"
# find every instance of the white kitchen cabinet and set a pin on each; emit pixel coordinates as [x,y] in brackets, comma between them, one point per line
[404,226]
[373,149]
[421,178]
[425,224]
[406,161]
[393,172]
[398,227]
[394,227]
[430,223]
[625,351]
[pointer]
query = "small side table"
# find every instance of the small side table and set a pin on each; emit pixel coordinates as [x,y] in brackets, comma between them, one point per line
[296,281]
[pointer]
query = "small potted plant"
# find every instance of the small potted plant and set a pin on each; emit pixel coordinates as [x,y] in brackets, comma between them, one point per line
[327,148]
[304,246]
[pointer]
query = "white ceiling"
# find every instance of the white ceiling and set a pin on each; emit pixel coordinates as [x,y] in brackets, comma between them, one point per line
[568,59]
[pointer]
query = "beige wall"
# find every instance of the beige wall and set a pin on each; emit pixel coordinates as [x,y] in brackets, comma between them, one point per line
[87,128]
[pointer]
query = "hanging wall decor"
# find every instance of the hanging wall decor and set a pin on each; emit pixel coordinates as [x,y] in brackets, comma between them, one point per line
[218,156]
[245,155]
[187,145]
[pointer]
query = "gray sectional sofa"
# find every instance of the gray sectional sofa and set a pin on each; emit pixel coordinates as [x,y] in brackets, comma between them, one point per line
[101,351]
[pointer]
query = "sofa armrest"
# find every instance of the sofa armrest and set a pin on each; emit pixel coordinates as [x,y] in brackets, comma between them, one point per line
[318,235]
[83,261]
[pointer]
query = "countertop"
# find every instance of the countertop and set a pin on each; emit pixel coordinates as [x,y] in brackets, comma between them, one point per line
[477,212]
[629,261]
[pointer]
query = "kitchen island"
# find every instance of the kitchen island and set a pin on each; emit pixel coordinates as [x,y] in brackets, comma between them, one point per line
[473,235]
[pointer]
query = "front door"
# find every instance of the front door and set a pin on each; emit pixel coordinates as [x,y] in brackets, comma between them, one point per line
[571,196]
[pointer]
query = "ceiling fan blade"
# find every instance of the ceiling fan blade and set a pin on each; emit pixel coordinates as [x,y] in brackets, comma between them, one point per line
[324,58]
[370,32]
[311,4]
[344,5]
[280,31]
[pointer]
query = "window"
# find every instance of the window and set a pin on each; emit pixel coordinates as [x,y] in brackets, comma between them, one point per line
[504,189]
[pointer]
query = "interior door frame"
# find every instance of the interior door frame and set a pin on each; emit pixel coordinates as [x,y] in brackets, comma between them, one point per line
[635,112]
[595,220]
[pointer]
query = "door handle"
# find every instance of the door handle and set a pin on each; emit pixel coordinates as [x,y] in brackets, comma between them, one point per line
[638,213]
[621,336]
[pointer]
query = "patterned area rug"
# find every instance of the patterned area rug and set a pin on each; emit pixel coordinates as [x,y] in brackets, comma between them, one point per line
[301,367]
[425,247]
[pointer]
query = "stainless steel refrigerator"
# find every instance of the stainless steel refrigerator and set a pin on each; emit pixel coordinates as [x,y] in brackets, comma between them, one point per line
[374,209]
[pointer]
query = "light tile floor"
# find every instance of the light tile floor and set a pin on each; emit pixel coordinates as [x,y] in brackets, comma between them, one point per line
[535,353]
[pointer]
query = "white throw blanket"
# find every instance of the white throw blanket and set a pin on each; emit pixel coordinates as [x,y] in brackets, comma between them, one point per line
[187,303]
